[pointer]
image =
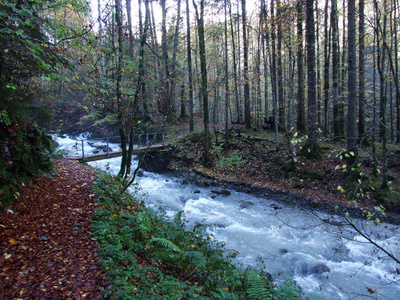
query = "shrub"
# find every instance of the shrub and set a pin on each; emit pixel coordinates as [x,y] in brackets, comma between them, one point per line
[232,160]
[24,152]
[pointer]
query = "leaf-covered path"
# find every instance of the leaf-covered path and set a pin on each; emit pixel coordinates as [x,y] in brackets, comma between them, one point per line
[46,246]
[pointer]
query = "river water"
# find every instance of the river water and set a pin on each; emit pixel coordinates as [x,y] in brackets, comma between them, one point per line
[326,261]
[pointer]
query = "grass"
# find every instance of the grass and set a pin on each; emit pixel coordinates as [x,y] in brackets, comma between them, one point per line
[148,256]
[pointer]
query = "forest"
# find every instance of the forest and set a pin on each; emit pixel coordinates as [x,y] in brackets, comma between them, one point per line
[295,96]
[322,71]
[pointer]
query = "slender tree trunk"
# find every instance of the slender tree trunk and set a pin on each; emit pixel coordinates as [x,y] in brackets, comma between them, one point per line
[326,67]
[352,135]
[119,70]
[226,75]
[374,121]
[140,89]
[204,84]
[396,62]
[338,124]
[279,67]
[318,67]
[175,53]
[394,67]
[235,71]
[265,44]
[311,146]
[246,87]
[167,106]
[301,112]
[342,82]
[381,38]
[189,66]
[130,32]
[273,76]
[361,72]
[100,22]
[257,78]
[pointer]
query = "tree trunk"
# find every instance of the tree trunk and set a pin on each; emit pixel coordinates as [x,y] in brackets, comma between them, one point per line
[279,67]
[326,68]
[246,87]
[189,66]
[226,75]
[381,61]
[274,76]
[119,70]
[352,136]
[338,123]
[167,107]
[301,112]
[174,54]
[204,84]
[265,44]
[130,32]
[311,145]
[361,73]
[235,71]
[396,50]
[140,89]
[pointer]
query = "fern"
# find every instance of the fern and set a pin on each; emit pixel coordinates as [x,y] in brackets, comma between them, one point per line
[196,258]
[256,286]
[289,290]
[167,244]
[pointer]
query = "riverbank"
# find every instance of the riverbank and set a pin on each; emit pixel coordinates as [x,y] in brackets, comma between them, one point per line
[250,163]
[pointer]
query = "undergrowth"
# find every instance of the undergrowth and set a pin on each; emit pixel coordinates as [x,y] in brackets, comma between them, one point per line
[149,257]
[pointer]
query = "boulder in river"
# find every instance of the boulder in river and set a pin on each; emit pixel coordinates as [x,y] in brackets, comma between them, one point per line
[221,192]
[246,204]
[320,268]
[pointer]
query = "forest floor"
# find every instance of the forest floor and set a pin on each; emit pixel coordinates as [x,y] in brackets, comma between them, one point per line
[46,246]
[251,161]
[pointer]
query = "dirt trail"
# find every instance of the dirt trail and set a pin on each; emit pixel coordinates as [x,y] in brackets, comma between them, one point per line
[46,247]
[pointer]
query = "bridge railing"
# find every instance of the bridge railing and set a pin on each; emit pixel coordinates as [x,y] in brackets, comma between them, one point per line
[106,144]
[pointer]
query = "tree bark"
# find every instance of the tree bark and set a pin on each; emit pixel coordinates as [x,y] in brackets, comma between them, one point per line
[189,66]
[352,136]
[338,123]
[204,84]
[326,68]
[246,86]
[279,67]
[235,71]
[361,72]
[311,145]
[167,107]
[226,75]
[301,112]
[119,70]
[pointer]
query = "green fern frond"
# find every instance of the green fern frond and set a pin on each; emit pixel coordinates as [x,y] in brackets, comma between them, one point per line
[256,287]
[196,258]
[167,244]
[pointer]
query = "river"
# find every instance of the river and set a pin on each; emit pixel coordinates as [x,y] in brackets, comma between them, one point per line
[326,261]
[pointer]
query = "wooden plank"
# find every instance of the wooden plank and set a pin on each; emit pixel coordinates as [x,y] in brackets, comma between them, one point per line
[100,156]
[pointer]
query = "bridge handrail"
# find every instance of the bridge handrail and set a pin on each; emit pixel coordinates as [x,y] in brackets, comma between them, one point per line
[148,141]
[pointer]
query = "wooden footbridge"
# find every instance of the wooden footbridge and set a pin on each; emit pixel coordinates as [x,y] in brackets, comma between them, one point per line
[104,151]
